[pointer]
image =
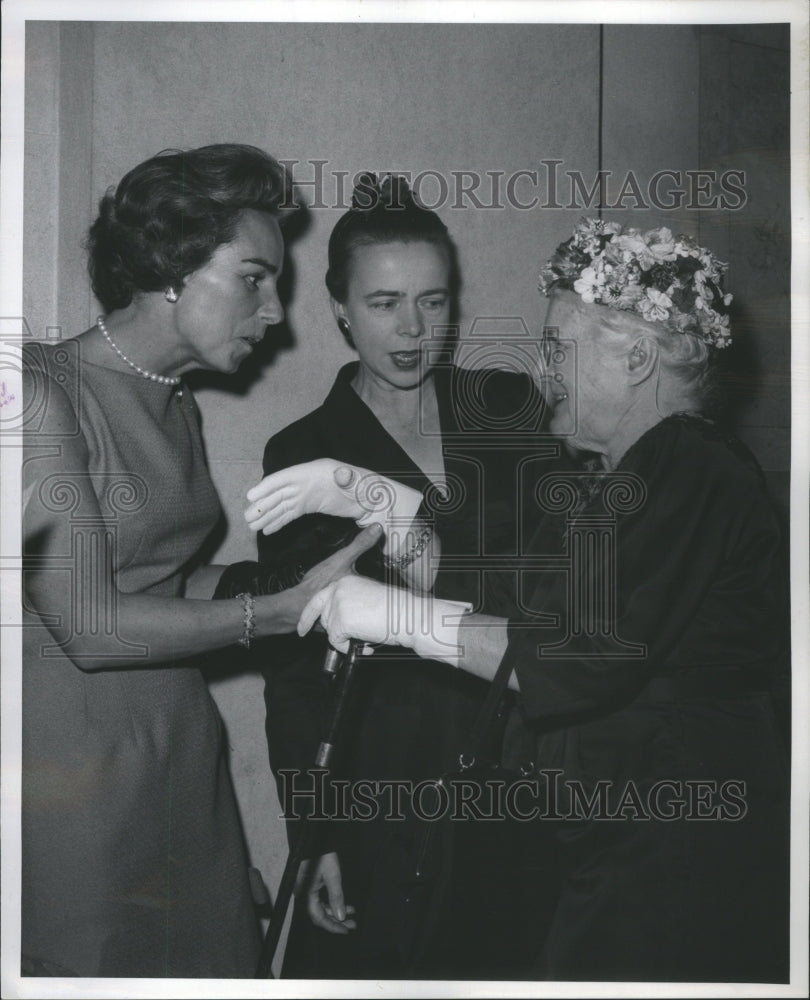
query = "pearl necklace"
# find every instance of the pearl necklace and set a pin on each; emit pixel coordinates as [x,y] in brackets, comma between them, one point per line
[163,379]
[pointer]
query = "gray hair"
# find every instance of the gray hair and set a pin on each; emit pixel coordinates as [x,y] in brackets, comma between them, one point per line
[687,357]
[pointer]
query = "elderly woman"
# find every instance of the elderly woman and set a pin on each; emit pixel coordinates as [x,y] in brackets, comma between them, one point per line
[457,436]
[132,855]
[643,677]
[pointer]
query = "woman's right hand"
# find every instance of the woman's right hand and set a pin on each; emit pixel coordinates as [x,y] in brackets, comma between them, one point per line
[325,486]
[340,563]
[329,570]
[308,488]
[371,612]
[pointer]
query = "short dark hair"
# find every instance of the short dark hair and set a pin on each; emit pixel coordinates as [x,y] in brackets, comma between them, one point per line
[383,212]
[169,214]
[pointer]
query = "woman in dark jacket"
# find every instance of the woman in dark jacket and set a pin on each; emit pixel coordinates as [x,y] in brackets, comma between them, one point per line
[458,437]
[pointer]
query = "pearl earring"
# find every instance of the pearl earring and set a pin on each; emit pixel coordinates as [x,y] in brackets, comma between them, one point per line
[343,326]
[170,294]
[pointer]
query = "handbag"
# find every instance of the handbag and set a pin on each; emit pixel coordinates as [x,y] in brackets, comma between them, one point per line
[494,884]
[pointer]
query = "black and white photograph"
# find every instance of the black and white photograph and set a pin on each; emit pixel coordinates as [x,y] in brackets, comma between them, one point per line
[405,447]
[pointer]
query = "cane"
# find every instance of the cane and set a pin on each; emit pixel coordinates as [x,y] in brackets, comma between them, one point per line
[341,667]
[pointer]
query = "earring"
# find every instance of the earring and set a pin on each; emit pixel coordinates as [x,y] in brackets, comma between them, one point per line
[170,294]
[343,326]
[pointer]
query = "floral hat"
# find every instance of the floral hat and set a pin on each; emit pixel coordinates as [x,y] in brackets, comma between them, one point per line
[665,279]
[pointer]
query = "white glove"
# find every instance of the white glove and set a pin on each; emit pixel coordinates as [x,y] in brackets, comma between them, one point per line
[325,486]
[358,608]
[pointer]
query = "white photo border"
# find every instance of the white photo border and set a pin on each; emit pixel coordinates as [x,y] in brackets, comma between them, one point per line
[15,13]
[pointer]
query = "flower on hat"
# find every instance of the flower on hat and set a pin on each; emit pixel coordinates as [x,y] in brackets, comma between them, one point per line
[589,284]
[663,278]
[654,305]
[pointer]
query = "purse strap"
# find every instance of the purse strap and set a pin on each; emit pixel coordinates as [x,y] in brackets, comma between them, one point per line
[490,712]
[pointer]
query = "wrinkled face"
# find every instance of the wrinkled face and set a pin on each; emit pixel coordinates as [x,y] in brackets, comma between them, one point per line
[585,382]
[397,303]
[226,305]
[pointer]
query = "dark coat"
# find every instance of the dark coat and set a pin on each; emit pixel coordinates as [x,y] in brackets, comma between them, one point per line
[661,690]
[411,718]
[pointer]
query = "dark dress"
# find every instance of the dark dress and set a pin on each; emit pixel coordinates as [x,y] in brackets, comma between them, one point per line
[680,872]
[133,862]
[411,718]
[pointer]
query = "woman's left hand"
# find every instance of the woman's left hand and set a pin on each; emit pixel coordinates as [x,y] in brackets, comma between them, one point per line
[332,914]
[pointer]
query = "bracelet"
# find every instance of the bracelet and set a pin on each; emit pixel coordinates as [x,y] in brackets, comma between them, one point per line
[250,619]
[399,562]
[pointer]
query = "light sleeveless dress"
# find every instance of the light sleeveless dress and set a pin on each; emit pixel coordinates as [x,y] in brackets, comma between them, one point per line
[133,862]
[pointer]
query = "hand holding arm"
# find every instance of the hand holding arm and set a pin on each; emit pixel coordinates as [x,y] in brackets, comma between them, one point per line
[292,595]
[356,608]
[155,630]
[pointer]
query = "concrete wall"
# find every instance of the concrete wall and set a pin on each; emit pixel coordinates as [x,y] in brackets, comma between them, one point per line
[445,98]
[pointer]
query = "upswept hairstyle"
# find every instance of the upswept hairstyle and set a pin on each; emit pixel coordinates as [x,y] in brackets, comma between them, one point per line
[169,214]
[383,212]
